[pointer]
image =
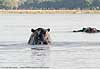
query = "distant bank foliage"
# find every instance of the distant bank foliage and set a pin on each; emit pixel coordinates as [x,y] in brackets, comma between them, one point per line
[50,4]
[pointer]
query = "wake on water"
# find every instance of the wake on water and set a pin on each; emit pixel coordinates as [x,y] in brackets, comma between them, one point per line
[12,44]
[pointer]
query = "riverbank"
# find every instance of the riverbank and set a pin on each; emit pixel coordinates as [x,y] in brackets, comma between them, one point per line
[49,11]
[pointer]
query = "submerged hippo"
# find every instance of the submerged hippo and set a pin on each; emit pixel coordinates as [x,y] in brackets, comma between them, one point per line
[88,30]
[39,36]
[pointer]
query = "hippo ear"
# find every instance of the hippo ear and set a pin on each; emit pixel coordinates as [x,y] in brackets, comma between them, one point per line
[48,29]
[32,30]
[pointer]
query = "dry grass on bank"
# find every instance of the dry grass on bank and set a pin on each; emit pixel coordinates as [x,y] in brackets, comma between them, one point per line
[49,11]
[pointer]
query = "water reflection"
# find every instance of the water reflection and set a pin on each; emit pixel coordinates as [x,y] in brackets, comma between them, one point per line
[40,57]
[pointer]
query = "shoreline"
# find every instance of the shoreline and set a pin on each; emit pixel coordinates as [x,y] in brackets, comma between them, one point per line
[49,11]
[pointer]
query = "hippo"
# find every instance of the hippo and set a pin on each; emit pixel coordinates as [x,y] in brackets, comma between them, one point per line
[88,30]
[39,36]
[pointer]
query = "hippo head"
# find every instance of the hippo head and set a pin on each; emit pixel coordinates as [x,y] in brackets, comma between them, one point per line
[39,36]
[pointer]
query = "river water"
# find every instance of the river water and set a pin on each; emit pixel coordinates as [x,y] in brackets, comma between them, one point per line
[68,50]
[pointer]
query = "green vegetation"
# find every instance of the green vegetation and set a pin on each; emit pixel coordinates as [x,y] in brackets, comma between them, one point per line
[50,4]
[9,4]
